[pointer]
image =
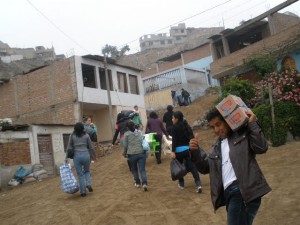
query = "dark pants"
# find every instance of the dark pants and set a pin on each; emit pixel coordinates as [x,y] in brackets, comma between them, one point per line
[239,212]
[158,138]
[190,166]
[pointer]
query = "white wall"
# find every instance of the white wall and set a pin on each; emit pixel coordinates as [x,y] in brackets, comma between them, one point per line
[56,133]
[99,96]
[11,58]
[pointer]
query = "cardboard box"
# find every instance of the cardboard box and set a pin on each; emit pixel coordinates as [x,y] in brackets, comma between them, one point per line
[229,104]
[237,118]
[233,110]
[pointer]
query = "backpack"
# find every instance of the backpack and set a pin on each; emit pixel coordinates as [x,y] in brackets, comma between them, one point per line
[90,131]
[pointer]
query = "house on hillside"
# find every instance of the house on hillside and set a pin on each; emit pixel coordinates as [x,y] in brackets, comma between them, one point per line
[53,98]
[232,48]
[187,69]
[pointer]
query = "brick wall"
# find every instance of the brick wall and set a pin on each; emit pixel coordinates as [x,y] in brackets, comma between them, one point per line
[188,56]
[220,66]
[14,153]
[44,96]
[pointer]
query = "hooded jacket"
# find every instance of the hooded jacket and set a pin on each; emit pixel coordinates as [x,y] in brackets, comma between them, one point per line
[133,142]
[244,144]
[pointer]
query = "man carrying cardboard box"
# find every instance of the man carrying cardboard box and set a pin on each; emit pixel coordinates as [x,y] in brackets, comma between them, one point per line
[236,180]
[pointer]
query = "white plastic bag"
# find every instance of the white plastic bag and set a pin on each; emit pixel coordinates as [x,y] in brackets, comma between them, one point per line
[69,183]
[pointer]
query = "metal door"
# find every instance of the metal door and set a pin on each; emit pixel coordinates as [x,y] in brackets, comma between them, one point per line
[46,153]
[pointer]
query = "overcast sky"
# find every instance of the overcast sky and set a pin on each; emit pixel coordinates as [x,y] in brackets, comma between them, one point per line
[85,26]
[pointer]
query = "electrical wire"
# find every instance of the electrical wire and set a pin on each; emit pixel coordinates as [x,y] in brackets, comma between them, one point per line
[57,27]
[206,10]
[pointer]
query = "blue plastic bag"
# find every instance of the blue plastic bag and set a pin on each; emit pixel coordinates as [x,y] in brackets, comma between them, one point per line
[21,173]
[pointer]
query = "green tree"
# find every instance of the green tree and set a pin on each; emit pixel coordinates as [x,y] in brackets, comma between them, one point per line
[113,52]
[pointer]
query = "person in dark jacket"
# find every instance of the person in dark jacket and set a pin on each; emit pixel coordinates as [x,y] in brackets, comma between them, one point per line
[121,128]
[182,134]
[167,119]
[235,177]
[154,125]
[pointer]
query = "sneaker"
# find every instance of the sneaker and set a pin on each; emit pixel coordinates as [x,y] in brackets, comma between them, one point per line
[89,187]
[199,189]
[180,187]
[83,194]
[137,185]
[145,188]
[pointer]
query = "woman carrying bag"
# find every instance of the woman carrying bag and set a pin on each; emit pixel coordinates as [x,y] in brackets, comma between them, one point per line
[80,144]
[133,149]
[182,133]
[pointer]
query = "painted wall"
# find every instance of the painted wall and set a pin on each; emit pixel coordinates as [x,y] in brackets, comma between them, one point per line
[99,96]
[295,55]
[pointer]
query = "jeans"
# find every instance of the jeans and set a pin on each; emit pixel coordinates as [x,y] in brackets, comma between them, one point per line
[82,163]
[190,166]
[138,163]
[239,212]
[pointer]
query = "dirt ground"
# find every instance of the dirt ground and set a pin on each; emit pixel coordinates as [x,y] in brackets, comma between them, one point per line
[116,201]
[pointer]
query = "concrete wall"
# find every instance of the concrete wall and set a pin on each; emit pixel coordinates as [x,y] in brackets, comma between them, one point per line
[99,96]
[21,148]
[11,58]
[220,66]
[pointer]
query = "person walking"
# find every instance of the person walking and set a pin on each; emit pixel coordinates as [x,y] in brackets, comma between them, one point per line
[133,149]
[121,128]
[236,180]
[186,96]
[81,144]
[136,118]
[182,133]
[154,125]
[90,128]
[174,97]
[167,119]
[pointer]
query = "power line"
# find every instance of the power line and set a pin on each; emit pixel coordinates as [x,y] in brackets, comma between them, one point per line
[57,27]
[206,10]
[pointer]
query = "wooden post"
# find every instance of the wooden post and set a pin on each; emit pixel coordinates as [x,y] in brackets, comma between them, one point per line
[272,105]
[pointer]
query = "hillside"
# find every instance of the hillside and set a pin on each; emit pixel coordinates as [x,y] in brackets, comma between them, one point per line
[116,201]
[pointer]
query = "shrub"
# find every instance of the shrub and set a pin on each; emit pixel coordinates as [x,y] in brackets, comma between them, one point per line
[287,118]
[242,88]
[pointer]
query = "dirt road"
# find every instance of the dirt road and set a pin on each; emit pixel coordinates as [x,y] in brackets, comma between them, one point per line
[116,201]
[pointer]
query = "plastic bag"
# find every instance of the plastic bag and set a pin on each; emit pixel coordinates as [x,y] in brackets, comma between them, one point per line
[146,145]
[178,170]
[21,173]
[69,183]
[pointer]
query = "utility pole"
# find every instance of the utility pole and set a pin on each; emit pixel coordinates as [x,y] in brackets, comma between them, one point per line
[108,96]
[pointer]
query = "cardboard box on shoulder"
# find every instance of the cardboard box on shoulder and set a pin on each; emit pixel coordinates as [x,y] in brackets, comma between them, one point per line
[233,110]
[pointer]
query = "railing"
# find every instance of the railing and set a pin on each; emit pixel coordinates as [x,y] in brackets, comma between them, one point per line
[163,81]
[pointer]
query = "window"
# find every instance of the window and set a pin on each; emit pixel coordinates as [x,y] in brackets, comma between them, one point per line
[178,38]
[169,41]
[162,42]
[103,79]
[133,82]
[88,76]
[122,82]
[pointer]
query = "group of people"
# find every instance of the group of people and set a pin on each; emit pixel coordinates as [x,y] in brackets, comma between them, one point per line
[236,180]
[183,99]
